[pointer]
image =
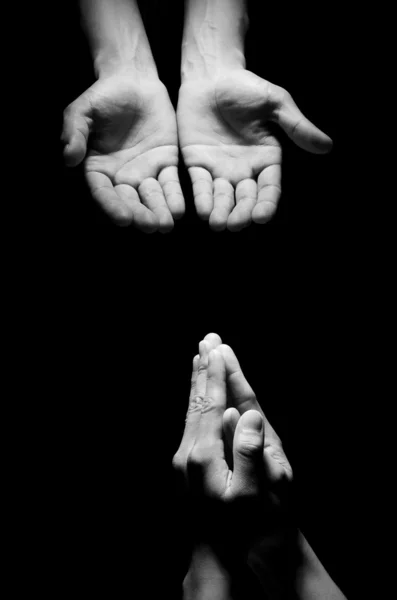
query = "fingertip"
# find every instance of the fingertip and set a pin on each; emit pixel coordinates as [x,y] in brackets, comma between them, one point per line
[322,144]
[203,212]
[203,348]
[166,228]
[224,348]
[217,222]
[235,224]
[196,361]
[166,222]
[72,156]
[148,223]
[231,415]
[213,338]
[263,212]
[252,420]
[178,212]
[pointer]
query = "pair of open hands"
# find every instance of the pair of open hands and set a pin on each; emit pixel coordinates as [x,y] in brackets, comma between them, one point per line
[128,133]
[231,461]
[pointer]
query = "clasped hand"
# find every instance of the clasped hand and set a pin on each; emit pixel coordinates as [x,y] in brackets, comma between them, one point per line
[231,463]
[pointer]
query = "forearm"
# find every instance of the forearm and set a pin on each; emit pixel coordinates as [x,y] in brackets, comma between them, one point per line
[289,568]
[312,581]
[213,37]
[206,579]
[117,37]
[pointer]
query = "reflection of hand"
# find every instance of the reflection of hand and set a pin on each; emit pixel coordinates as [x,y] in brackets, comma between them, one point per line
[126,131]
[233,158]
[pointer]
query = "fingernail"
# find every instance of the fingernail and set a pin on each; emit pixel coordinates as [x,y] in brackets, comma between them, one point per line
[253,421]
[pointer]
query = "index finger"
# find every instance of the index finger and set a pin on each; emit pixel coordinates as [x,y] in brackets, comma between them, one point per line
[244,397]
[197,392]
[214,402]
[193,415]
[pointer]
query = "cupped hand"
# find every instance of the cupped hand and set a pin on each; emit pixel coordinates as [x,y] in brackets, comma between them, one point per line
[233,157]
[125,131]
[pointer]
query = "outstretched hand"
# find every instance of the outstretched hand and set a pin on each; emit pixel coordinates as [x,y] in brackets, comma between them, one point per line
[125,131]
[233,158]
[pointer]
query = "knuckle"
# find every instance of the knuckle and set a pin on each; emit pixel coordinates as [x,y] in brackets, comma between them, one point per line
[67,111]
[277,453]
[197,458]
[195,405]
[210,406]
[178,462]
[202,453]
[278,95]
[248,447]
[202,368]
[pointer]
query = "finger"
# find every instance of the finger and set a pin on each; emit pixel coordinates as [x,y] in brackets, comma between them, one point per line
[243,396]
[142,217]
[214,403]
[269,192]
[75,132]
[202,191]
[248,471]
[169,181]
[223,204]
[301,131]
[201,382]
[229,423]
[152,196]
[192,416]
[196,362]
[103,192]
[230,420]
[197,391]
[246,196]
[277,466]
[213,339]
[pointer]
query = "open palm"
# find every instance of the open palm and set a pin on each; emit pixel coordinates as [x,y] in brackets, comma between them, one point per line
[126,132]
[233,159]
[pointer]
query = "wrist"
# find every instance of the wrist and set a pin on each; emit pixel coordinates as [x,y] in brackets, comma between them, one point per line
[206,564]
[117,37]
[213,38]
[200,67]
[108,63]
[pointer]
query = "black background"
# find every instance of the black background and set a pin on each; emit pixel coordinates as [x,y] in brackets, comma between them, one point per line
[123,314]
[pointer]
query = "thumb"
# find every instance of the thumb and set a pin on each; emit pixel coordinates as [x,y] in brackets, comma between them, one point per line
[76,129]
[248,469]
[300,130]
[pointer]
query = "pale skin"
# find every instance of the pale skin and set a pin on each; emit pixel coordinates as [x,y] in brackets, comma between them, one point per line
[124,126]
[125,131]
[223,113]
[245,490]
